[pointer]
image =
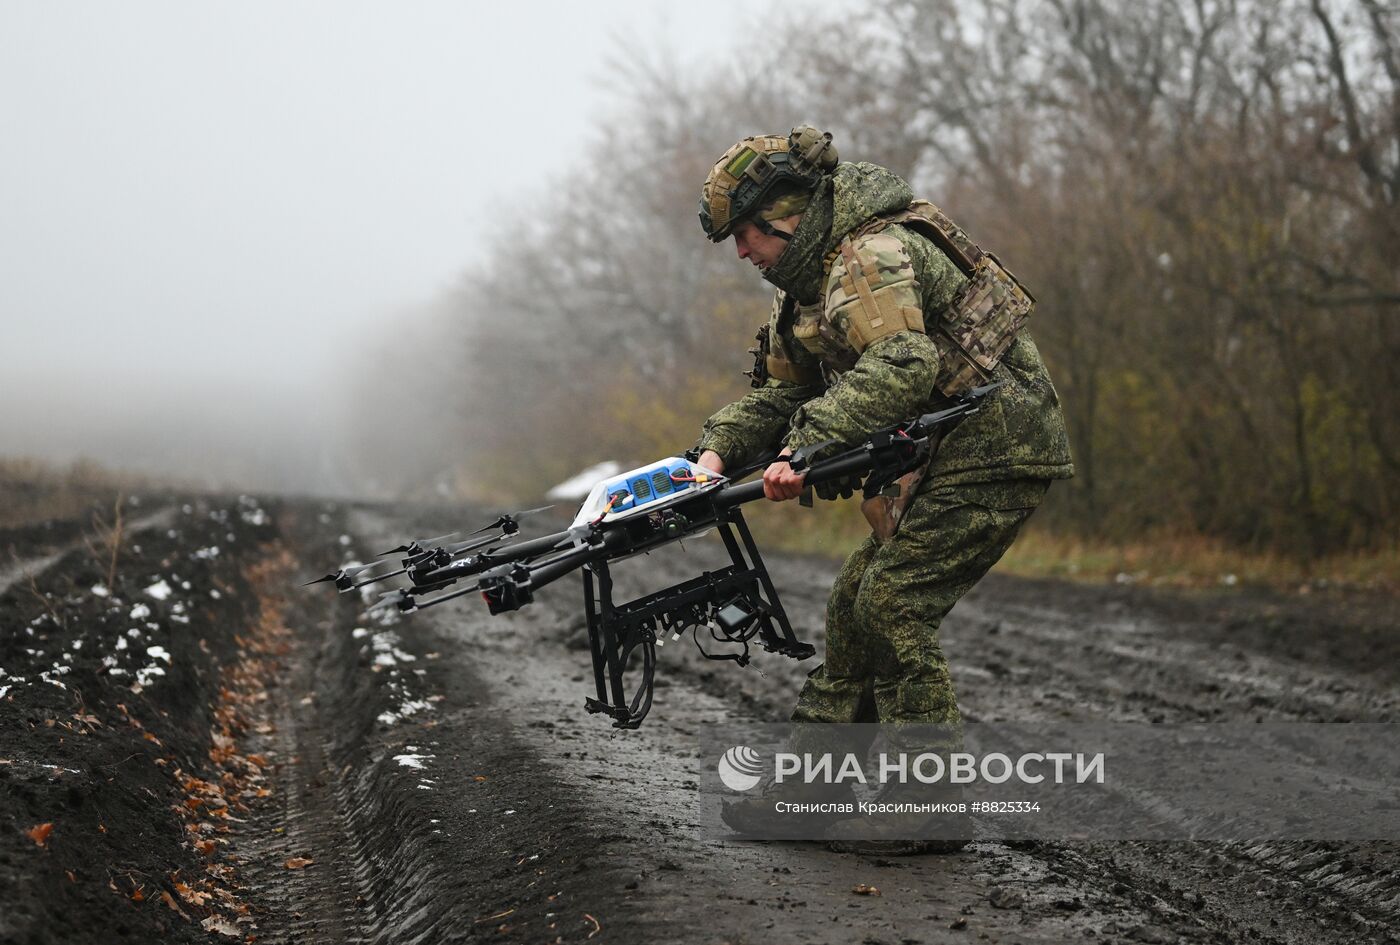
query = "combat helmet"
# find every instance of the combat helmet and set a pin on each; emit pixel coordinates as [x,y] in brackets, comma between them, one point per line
[757,170]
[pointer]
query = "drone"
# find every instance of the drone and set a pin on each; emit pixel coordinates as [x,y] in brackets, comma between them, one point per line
[634,513]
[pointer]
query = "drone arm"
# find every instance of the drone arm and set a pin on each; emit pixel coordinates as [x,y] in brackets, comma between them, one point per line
[856,462]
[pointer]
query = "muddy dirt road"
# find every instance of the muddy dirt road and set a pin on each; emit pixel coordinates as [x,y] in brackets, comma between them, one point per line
[442,781]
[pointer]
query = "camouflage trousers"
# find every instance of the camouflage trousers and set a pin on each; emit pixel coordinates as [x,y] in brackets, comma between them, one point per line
[883,659]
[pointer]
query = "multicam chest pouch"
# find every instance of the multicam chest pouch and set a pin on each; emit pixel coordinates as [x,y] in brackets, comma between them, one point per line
[976,328]
[971,333]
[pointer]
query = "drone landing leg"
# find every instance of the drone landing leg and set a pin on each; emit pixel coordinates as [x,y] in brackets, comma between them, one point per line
[592,608]
[785,642]
[610,644]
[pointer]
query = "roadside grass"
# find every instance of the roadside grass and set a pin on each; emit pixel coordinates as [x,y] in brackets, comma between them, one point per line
[1165,560]
[1174,560]
[33,491]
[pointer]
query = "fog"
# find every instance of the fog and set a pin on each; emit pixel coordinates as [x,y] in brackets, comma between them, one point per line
[209,212]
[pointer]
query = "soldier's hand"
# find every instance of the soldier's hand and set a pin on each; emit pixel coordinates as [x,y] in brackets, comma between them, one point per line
[780,483]
[711,461]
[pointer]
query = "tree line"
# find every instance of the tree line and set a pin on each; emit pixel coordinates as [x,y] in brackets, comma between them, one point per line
[1202,196]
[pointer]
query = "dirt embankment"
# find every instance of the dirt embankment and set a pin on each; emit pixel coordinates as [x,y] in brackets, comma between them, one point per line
[120,775]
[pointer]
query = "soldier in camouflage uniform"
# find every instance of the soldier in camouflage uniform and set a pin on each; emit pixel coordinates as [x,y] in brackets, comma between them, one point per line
[870,326]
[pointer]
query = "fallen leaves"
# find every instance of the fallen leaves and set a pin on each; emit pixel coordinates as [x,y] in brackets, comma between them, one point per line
[865,889]
[40,834]
[298,863]
[169,900]
[195,897]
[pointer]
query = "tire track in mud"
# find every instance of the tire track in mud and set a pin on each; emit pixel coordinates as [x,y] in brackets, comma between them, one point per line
[318,902]
[1149,667]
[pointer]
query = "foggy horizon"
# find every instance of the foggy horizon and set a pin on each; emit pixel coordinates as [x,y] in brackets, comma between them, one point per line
[214,214]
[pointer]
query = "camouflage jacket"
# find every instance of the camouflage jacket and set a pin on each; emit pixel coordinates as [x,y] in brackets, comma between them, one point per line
[866,383]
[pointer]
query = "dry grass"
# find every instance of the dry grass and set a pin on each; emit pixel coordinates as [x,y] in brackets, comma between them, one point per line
[1195,561]
[106,544]
[1169,560]
[33,491]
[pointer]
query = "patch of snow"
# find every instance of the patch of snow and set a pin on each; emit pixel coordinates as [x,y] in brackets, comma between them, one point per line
[159,590]
[139,612]
[207,553]
[145,674]
[345,541]
[407,709]
[214,593]
[577,487]
[99,590]
[387,652]
[158,652]
[121,643]
[412,761]
[359,633]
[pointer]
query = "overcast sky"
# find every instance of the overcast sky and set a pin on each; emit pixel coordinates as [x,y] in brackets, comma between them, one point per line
[200,202]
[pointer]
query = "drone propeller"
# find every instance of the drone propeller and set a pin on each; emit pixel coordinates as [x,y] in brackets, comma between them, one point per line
[471,543]
[418,544]
[344,576]
[400,600]
[509,522]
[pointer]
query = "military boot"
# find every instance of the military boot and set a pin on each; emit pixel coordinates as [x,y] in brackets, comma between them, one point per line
[915,833]
[755,815]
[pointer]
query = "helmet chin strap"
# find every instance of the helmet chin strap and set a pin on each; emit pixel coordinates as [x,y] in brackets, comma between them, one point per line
[768,229]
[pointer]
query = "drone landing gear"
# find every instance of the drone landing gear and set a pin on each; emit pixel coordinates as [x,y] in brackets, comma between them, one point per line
[735,603]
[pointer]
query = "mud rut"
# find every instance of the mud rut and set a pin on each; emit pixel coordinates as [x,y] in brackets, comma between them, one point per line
[443,780]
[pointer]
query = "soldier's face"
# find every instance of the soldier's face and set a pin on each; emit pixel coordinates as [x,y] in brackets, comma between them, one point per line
[760,248]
